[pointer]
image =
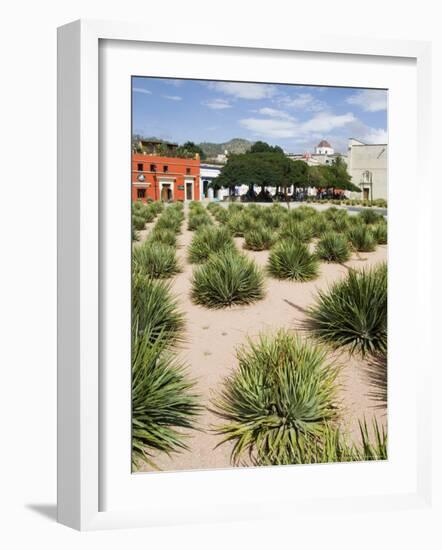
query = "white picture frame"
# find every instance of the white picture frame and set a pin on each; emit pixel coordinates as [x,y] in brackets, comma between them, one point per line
[80,293]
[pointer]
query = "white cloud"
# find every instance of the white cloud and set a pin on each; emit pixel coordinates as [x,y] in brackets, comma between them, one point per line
[317,126]
[375,135]
[217,104]
[268,111]
[244,90]
[303,101]
[141,91]
[270,127]
[325,122]
[173,97]
[369,100]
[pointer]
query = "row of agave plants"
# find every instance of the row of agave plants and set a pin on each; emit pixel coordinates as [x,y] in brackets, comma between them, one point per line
[281,405]
[163,398]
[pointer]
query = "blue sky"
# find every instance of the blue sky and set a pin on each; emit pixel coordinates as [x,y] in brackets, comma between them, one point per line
[294,117]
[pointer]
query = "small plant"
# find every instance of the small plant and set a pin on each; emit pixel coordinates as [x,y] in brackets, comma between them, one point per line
[238,223]
[333,247]
[279,401]
[352,313]
[156,311]
[209,240]
[197,220]
[164,236]
[293,260]
[297,231]
[169,221]
[258,238]
[361,238]
[369,216]
[138,222]
[163,402]
[380,233]
[227,279]
[153,259]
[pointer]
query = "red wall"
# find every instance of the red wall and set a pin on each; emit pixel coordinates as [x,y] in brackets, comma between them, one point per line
[178,169]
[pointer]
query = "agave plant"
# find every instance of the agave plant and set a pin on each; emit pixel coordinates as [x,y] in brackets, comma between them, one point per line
[279,401]
[292,260]
[300,231]
[138,222]
[163,402]
[352,313]
[361,238]
[258,238]
[156,310]
[227,278]
[164,236]
[238,223]
[197,220]
[369,216]
[169,221]
[154,259]
[209,240]
[333,247]
[380,233]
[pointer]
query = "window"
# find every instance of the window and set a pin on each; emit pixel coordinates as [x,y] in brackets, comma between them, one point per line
[140,167]
[165,168]
[141,193]
[188,171]
[153,168]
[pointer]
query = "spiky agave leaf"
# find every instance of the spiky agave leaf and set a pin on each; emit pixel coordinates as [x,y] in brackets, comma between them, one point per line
[164,236]
[278,402]
[156,310]
[292,260]
[209,240]
[163,401]
[227,278]
[333,247]
[154,259]
[352,313]
[300,231]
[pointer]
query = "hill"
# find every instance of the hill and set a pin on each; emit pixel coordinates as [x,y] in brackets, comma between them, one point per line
[235,145]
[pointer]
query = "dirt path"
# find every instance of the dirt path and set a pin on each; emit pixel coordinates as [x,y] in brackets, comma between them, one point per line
[213,336]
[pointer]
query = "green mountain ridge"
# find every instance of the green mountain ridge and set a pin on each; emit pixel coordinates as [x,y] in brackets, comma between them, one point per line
[235,145]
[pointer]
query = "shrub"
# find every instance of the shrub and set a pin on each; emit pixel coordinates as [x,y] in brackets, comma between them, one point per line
[319,225]
[162,401]
[227,279]
[297,231]
[333,247]
[153,259]
[169,221]
[156,311]
[138,222]
[361,238]
[208,240]
[157,207]
[198,220]
[258,238]
[380,233]
[164,236]
[279,401]
[292,260]
[352,313]
[369,216]
[238,223]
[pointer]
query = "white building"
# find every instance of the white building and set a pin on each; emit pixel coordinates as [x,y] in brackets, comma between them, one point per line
[208,172]
[367,165]
[324,148]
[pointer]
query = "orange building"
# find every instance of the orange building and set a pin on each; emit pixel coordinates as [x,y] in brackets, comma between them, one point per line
[165,178]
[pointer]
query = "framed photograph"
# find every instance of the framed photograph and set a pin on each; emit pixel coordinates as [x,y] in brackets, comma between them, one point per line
[234,228]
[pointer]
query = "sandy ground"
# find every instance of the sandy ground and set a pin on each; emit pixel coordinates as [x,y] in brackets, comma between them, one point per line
[213,336]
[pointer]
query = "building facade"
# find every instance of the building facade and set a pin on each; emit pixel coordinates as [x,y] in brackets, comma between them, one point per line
[165,178]
[367,165]
[208,172]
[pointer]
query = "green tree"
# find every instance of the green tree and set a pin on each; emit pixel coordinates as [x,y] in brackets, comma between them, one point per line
[263,147]
[191,148]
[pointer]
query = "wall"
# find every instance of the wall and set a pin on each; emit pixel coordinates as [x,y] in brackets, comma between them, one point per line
[372,158]
[28,290]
